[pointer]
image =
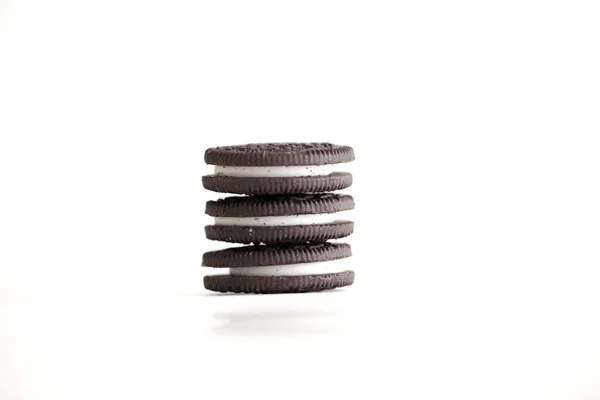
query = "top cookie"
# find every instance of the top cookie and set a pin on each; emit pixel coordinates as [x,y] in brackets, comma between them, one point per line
[279,154]
[278,168]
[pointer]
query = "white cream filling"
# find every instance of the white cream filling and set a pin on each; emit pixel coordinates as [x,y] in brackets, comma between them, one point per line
[315,268]
[275,172]
[283,220]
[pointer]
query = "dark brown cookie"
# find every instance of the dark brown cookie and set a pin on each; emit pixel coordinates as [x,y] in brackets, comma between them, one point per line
[278,168]
[261,206]
[280,268]
[280,234]
[262,255]
[279,154]
[278,284]
[280,219]
[279,185]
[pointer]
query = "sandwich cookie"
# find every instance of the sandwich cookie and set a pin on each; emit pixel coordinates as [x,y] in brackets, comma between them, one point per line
[280,268]
[278,168]
[280,219]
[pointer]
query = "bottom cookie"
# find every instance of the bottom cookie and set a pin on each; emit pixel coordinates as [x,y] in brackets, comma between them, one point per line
[277,284]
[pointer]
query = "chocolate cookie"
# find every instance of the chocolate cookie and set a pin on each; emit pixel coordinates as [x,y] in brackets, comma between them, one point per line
[277,284]
[280,268]
[278,168]
[280,219]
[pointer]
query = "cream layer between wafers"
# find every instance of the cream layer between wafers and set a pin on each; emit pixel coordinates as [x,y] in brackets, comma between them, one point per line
[276,172]
[314,268]
[285,220]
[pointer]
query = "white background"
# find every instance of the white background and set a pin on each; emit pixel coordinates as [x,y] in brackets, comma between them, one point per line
[475,126]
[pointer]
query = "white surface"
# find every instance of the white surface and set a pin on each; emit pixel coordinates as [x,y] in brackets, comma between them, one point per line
[314,268]
[275,172]
[285,220]
[478,121]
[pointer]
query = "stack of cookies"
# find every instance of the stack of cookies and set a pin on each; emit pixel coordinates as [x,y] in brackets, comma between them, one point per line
[285,217]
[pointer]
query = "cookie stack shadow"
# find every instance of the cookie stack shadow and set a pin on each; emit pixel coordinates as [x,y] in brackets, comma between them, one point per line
[283,213]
